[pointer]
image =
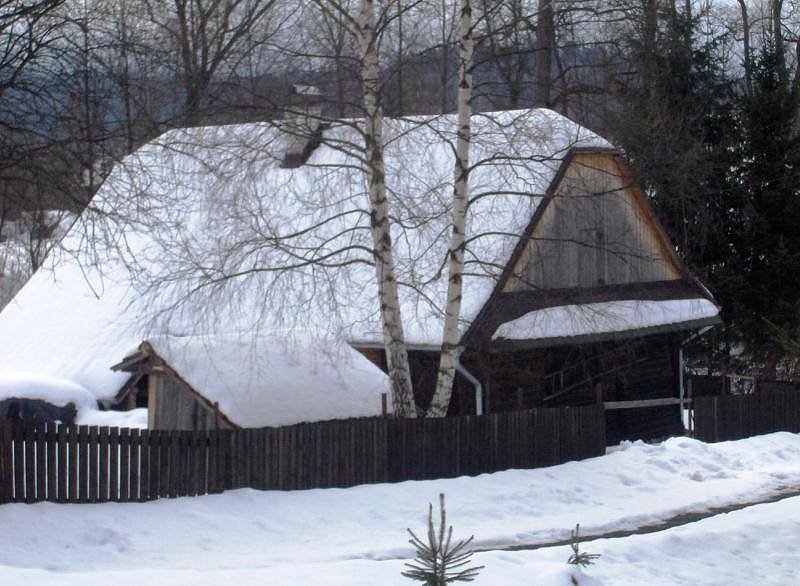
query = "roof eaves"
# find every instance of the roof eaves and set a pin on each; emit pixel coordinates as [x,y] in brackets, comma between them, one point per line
[503,344]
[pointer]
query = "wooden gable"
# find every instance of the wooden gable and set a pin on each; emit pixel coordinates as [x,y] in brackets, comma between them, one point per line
[595,229]
[593,239]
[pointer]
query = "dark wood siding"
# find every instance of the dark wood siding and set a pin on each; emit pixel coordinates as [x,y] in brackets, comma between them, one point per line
[568,375]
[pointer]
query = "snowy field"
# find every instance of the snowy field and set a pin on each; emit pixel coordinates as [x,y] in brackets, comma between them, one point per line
[357,536]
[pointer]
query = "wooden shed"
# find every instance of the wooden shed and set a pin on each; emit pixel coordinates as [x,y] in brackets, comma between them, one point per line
[229,381]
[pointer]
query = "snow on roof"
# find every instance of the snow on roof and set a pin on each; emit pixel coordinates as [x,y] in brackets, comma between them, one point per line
[275,380]
[202,232]
[569,321]
[59,392]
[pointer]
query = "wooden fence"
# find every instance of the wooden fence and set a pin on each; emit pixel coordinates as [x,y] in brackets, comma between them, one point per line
[81,464]
[734,417]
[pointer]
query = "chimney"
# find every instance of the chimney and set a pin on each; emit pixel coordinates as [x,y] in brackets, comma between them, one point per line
[303,125]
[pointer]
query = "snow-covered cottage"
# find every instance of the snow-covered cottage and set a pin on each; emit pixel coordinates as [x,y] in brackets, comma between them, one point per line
[223,277]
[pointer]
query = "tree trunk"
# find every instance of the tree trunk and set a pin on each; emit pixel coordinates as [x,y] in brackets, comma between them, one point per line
[780,47]
[451,336]
[393,337]
[649,34]
[545,41]
[748,67]
[445,71]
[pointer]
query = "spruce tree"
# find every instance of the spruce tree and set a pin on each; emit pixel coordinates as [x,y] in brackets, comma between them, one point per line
[761,284]
[438,560]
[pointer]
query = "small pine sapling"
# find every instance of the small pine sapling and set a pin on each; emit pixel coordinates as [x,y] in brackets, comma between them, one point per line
[438,562]
[578,558]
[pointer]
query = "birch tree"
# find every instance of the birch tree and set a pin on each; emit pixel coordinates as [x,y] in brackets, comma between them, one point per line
[391,318]
[452,334]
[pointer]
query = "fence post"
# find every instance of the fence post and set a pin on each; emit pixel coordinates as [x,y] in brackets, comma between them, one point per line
[690,410]
[6,465]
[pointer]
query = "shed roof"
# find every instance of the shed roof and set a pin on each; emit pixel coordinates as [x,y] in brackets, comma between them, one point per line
[274,380]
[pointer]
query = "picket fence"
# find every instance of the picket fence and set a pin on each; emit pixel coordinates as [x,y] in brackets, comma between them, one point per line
[732,417]
[83,464]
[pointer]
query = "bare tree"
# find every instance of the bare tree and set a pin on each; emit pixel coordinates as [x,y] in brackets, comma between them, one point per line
[211,36]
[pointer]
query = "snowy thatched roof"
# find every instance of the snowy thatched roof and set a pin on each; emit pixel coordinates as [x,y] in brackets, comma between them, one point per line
[203,233]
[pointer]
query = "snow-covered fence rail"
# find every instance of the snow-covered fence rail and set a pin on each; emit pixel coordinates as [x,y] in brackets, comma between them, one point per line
[81,464]
[733,417]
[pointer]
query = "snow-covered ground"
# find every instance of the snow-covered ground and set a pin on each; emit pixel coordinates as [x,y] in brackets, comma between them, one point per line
[357,536]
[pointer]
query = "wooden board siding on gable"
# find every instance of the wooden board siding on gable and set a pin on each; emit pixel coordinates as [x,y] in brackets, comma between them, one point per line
[173,406]
[595,231]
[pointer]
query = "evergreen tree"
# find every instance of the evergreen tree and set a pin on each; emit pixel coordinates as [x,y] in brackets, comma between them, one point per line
[438,560]
[677,122]
[761,282]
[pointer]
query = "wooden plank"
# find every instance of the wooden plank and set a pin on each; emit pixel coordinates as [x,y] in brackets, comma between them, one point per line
[229,437]
[284,452]
[83,463]
[212,459]
[30,463]
[52,469]
[144,479]
[238,461]
[183,452]
[176,463]
[94,464]
[262,459]
[643,403]
[3,486]
[189,485]
[184,486]
[19,463]
[205,462]
[6,464]
[261,467]
[113,466]
[124,464]
[273,459]
[134,492]
[165,465]
[154,441]
[199,476]
[41,463]
[102,468]
[74,462]
[63,465]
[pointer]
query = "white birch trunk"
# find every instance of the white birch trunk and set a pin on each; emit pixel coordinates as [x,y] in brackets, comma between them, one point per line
[451,336]
[393,337]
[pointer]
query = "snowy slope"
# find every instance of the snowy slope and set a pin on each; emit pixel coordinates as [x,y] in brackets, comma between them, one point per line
[750,547]
[332,536]
[171,225]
